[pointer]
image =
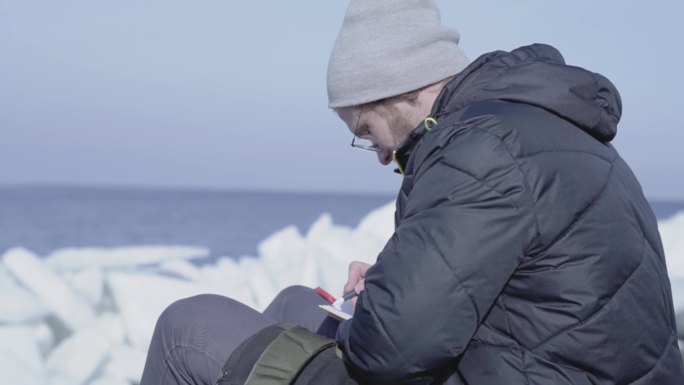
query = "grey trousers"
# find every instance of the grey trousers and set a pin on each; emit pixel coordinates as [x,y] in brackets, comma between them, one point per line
[194,337]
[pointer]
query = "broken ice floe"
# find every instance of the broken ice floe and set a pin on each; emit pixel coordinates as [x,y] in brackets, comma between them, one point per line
[86,316]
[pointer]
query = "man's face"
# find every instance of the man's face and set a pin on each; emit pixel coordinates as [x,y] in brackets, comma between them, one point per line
[386,124]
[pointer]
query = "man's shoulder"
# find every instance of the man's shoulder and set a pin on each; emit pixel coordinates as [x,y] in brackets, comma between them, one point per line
[478,148]
[497,128]
[476,137]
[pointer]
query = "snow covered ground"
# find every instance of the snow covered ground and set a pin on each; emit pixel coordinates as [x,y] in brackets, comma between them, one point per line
[86,316]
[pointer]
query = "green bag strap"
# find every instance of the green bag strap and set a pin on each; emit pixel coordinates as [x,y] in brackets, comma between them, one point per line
[286,356]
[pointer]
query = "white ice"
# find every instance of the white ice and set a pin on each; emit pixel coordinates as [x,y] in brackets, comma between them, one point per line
[672,234]
[49,287]
[120,257]
[86,316]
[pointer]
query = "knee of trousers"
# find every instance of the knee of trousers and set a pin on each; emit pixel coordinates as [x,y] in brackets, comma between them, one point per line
[185,311]
[294,292]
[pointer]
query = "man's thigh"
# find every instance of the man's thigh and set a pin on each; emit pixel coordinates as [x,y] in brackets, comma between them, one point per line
[195,336]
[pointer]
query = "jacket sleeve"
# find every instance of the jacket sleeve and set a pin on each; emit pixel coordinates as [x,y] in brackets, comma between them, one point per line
[460,239]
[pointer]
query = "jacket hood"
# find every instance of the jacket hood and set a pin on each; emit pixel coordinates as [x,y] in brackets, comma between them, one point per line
[537,75]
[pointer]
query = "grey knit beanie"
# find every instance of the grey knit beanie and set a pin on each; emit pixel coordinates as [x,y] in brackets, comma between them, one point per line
[390,47]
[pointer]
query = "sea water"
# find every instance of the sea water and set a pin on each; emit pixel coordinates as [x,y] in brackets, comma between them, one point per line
[228,223]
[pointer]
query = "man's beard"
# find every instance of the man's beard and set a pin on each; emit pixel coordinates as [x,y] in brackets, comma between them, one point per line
[401,126]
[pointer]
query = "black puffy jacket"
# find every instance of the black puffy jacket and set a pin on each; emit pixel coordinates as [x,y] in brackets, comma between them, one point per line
[524,250]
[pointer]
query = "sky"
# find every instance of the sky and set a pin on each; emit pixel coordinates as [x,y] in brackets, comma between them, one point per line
[232,94]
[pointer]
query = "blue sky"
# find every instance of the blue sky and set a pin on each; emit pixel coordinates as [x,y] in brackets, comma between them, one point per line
[231,94]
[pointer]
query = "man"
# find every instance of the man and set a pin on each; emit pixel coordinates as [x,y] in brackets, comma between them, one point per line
[524,250]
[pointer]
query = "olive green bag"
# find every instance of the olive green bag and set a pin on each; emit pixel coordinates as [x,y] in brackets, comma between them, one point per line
[285,354]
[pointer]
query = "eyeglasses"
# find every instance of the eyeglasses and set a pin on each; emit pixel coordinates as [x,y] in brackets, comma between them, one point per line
[362,143]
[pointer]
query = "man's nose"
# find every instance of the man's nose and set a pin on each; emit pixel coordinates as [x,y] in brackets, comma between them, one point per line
[385,157]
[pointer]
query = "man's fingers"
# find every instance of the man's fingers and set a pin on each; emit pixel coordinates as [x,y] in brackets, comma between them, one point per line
[358,289]
[359,286]
[357,271]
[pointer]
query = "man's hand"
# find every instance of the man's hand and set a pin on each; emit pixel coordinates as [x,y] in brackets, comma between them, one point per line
[356,276]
